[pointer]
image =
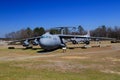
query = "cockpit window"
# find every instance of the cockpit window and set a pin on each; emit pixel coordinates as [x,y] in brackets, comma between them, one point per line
[45,36]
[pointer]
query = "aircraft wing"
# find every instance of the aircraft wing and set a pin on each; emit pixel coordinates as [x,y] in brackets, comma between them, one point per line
[33,38]
[78,36]
[70,36]
[102,38]
[27,39]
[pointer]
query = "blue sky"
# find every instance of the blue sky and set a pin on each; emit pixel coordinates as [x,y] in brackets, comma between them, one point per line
[19,14]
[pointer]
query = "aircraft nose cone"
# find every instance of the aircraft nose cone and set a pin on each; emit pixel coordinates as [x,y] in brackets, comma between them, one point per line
[43,42]
[47,44]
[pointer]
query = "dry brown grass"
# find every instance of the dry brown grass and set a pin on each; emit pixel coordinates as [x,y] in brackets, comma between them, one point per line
[104,59]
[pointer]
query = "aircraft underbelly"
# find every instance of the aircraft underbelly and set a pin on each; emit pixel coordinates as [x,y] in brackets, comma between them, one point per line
[49,44]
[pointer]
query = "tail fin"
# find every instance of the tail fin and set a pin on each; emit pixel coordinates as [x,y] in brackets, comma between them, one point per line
[88,34]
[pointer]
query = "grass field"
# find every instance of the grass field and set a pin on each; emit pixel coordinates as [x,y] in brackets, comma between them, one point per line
[76,64]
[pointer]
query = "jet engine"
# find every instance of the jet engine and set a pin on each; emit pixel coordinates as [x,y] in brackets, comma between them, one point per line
[26,43]
[35,42]
[74,42]
[87,42]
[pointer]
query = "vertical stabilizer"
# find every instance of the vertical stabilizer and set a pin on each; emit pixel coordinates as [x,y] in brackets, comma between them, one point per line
[88,34]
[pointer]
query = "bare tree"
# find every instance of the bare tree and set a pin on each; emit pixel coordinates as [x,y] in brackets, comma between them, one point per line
[81,30]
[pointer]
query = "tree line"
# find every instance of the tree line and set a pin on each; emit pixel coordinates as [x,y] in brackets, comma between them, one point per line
[101,31]
[26,33]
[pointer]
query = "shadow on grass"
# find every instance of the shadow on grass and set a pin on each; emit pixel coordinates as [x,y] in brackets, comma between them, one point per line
[46,51]
[24,48]
[77,47]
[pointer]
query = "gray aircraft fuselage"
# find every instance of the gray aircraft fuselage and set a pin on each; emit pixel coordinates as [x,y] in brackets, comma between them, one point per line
[48,41]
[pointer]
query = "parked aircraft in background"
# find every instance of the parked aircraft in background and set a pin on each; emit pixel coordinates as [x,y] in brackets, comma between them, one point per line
[53,41]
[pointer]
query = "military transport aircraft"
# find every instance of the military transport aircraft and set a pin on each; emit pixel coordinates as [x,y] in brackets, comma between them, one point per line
[54,41]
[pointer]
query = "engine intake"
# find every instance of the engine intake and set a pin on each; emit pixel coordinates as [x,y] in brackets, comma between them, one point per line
[35,42]
[87,42]
[74,42]
[26,43]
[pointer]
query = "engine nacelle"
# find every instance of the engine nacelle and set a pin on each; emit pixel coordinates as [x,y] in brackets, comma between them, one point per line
[35,42]
[87,42]
[74,42]
[26,43]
